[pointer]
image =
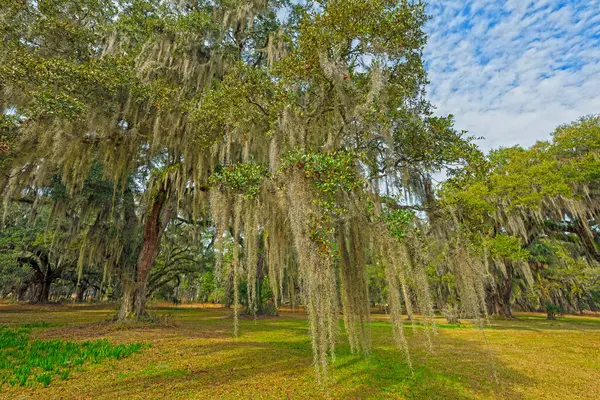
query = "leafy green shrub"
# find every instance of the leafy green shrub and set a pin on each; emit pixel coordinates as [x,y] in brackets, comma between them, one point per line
[553,311]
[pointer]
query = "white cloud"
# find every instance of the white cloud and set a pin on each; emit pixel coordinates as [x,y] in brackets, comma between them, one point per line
[513,70]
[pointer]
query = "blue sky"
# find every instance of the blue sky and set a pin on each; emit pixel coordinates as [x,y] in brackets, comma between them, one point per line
[513,70]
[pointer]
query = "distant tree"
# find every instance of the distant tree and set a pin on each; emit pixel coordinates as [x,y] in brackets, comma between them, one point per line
[532,209]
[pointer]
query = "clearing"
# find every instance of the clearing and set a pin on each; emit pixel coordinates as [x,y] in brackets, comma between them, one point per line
[192,354]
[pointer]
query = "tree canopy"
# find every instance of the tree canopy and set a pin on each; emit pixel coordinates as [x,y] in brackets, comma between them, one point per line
[536,212]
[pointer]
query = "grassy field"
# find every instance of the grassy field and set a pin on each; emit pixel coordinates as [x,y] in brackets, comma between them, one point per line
[192,354]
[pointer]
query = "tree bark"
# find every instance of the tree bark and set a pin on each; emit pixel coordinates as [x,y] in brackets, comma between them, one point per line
[502,303]
[42,278]
[134,296]
[22,291]
[126,309]
[503,293]
[47,277]
[80,292]
[130,253]
[45,290]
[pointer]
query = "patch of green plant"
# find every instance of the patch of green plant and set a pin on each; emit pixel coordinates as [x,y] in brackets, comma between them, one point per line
[25,361]
[329,172]
[243,178]
[552,310]
[397,221]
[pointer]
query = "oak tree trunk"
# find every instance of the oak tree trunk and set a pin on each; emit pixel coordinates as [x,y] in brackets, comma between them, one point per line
[126,309]
[502,298]
[44,295]
[42,278]
[134,295]
[130,253]
[22,291]
[80,292]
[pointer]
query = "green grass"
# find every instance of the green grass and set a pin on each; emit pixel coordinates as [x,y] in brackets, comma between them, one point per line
[25,361]
[197,357]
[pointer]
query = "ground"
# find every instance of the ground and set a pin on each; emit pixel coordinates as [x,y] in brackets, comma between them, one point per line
[192,354]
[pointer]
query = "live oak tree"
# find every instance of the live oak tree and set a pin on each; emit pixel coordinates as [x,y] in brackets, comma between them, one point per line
[184,268]
[531,215]
[300,132]
[129,120]
[76,239]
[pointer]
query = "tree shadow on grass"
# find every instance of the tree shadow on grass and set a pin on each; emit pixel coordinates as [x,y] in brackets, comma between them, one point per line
[255,366]
[272,359]
[256,370]
[457,369]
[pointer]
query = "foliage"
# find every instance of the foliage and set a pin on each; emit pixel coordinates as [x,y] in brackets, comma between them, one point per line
[329,172]
[537,209]
[244,178]
[25,361]
[505,246]
[397,221]
[552,310]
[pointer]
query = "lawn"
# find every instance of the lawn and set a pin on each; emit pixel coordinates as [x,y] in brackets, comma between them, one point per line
[192,354]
